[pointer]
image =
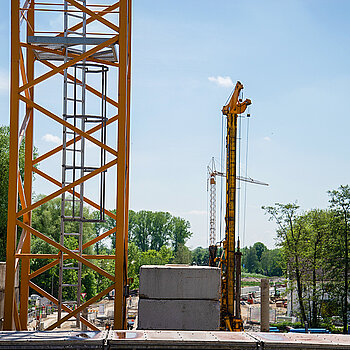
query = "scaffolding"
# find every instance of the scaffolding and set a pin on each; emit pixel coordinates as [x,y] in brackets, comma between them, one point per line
[78,56]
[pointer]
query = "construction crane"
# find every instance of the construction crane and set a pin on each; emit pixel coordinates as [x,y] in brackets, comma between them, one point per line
[211,187]
[230,260]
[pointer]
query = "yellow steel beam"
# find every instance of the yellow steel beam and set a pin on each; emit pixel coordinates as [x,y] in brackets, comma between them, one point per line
[70,142]
[64,307]
[85,245]
[66,188]
[92,19]
[22,252]
[65,256]
[43,269]
[88,87]
[68,125]
[80,308]
[122,169]
[76,193]
[99,238]
[13,169]
[68,64]
[16,316]
[70,253]
[94,15]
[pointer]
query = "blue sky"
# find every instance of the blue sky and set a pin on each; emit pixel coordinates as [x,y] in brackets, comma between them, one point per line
[291,56]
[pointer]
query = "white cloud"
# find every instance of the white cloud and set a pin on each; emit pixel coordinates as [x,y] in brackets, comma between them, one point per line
[52,138]
[266,138]
[222,81]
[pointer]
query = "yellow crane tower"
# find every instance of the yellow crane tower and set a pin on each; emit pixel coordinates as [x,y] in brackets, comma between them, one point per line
[230,261]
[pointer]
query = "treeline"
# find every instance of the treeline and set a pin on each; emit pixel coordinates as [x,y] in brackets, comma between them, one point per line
[259,259]
[315,256]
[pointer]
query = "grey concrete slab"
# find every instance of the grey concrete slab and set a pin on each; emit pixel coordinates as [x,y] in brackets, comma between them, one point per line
[179,340]
[180,282]
[298,341]
[54,340]
[178,314]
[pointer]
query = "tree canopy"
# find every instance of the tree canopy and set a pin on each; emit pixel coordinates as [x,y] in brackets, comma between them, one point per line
[314,247]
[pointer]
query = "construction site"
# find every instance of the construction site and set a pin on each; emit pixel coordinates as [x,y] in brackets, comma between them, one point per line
[64,287]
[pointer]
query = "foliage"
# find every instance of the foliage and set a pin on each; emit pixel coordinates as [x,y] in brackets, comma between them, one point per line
[340,204]
[271,261]
[153,230]
[200,256]
[137,258]
[47,220]
[314,249]
[4,182]
[183,255]
[284,326]
[258,259]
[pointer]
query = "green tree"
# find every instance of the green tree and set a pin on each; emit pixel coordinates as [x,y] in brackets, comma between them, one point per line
[160,230]
[200,256]
[317,223]
[137,258]
[251,261]
[183,255]
[260,248]
[180,232]
[47,220]
[271,262]
[340,203]
[291,236]
[4,182]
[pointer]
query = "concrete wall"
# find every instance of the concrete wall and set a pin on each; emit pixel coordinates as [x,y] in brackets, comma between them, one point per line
[178,297]
[168,314]
[179,282]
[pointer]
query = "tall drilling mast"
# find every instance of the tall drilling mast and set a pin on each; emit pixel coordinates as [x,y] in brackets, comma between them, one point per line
[231,260]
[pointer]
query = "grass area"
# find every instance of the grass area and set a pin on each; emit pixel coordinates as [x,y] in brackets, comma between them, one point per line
[254,275]
[249,284]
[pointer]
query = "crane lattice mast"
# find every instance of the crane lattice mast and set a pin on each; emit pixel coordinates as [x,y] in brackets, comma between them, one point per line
[211,187]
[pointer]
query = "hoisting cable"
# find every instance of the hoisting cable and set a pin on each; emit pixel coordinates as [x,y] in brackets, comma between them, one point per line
[222,148]
[246,175]
[208,208]
[238,167]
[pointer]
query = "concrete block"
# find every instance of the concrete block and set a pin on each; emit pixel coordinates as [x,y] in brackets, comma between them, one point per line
[180,282]
[179,314]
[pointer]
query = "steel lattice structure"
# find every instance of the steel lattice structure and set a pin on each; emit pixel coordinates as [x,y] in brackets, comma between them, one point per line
[212,202]
[74,54]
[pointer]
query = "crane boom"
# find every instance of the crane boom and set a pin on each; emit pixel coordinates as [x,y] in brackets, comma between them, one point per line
[211,187]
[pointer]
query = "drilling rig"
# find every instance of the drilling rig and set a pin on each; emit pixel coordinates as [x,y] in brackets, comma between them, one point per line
[230,260]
